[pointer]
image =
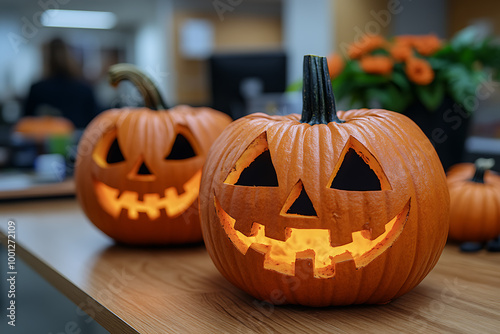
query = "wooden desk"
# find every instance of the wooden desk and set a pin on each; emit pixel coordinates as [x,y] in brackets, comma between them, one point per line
[129,290]
[55,189]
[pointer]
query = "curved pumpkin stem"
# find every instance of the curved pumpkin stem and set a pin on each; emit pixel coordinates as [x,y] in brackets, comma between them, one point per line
[149,91]
[319,102]
[482,165]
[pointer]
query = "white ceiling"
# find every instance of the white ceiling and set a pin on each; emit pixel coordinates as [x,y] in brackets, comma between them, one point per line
[132,13]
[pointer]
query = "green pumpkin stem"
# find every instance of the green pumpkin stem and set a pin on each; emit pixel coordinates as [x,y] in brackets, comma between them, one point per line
[149,91]
[482,165]
[319,102]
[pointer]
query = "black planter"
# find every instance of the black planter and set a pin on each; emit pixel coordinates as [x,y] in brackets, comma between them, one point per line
[447,129]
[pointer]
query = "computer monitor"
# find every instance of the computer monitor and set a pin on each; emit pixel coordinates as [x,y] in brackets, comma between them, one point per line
[238,77]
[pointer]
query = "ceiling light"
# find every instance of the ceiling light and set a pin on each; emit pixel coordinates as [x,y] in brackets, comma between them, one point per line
[78,19]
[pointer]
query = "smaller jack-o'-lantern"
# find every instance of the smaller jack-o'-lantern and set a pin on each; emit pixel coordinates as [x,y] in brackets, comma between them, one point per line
[138,170]
[331,209]
[474,201]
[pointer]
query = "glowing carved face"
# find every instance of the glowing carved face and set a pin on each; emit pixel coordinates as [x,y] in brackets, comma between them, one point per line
[114,201]
[130,199]
[298,230]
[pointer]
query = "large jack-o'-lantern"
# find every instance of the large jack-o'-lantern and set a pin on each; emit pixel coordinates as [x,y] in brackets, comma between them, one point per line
[138,170]
[332,209]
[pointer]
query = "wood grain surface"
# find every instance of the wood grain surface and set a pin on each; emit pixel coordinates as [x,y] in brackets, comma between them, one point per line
[178,290]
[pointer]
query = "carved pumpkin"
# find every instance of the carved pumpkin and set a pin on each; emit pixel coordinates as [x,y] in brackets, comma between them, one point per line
[475,201]
[138,170]
[41,127]
[324,210]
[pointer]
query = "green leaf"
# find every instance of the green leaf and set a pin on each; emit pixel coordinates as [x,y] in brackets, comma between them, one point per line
[362,78]
[390,98]
[294,86]
[466,37]
[467,57]
[438,64]
[444,52]
[342,86]
[401,81]
[366,79]
[461,82]
[431,95]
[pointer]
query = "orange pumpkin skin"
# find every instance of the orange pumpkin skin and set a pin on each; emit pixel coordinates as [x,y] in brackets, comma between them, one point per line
[242,224]
[146,196]
[474,206]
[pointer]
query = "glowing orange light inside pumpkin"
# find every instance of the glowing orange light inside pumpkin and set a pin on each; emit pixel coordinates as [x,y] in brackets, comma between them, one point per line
[281,255]
[173,203]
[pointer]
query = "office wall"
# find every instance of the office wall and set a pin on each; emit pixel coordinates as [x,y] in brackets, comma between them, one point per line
[422,17]
[355,18]
[308,29]
[465,12]
[238,32]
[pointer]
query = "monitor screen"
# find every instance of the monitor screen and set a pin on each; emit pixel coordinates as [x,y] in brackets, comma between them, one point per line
[237,78]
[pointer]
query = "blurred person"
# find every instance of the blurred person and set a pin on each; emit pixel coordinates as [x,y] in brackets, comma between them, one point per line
[62,92]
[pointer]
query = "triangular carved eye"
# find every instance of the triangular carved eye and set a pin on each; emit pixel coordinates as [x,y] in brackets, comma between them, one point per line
[260,173]
[182,149]
[255,167]
[358,170]
[115,154]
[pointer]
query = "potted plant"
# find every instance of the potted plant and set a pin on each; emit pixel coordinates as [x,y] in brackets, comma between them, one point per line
[437,84]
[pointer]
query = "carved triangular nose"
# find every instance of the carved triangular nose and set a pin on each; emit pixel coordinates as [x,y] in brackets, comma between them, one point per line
[143,169]
[299,203]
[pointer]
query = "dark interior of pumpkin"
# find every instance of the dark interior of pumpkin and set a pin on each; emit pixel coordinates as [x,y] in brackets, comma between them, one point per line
[302,205]
[354,174]
[260,173]
[182,149]
[114,153]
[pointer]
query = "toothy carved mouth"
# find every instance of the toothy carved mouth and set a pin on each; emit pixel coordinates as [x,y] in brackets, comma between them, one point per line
[114,202]
[281,256]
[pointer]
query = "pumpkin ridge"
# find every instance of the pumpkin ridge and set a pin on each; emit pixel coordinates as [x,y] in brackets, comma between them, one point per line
[391,124]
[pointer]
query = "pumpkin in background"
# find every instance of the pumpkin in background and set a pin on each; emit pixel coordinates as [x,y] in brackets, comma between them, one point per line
[138,170]
[475,201]
[324,210]
[41,127]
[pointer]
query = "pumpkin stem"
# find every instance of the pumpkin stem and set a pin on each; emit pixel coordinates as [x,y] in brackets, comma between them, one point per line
[149,91]
[482,165]
[319,102]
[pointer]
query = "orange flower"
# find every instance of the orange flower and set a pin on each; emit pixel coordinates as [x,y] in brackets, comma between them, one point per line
[401,52]
[367,44]
[376,64]
[335,64]
[419,71]
[427,45]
